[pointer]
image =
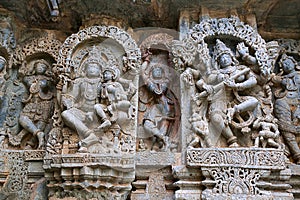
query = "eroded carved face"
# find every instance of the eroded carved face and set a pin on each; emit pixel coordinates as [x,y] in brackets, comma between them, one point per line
[288,66]
[157,73]
[92,70]
[225,60]
[40,68]
[107,75]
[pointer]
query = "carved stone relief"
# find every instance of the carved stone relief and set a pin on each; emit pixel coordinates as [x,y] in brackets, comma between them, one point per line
[215,115]
[226,78]
[98,75]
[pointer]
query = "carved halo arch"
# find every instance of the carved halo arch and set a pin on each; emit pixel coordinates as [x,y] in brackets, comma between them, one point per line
[162,39]
[232,26]
[132,58]
[47,45]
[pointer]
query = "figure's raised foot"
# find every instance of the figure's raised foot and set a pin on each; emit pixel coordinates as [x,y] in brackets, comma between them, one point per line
[87,142]
[40,135]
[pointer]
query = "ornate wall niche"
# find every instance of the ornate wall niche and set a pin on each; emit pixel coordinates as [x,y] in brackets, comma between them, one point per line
[27,95]
[97,93]
[158,135]
[226,79]
[31,86]
[159,95]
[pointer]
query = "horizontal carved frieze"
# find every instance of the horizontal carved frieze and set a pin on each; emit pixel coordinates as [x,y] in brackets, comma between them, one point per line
[253,158]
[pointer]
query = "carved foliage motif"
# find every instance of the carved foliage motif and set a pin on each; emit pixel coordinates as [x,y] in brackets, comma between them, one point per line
[235,181]
[16,183]
[241,157]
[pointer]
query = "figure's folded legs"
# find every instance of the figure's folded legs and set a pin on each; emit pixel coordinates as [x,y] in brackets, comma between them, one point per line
[73,122]
[36,130]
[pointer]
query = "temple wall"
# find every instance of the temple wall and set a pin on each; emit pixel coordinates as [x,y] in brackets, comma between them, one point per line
[210,110]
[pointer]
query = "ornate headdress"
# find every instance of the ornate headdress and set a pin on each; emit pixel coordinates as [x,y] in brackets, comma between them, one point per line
[114,70]
[93,57]
[220,48]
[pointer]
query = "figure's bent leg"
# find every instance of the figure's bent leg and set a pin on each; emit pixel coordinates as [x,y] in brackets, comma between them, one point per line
[76,124]
[105,123]
[36,130]
[291,142]
[218,121]
[151,128]
[248,105]
[28,125]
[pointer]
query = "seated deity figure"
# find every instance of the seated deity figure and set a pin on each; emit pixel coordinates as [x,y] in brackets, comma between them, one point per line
[83,106]
[287,106]
[227,82]
[35,116]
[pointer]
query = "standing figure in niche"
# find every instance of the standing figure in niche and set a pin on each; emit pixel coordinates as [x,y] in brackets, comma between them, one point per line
[287,103]
[36,115]
[161,112]
[224,84]
[266,123]
[84,110]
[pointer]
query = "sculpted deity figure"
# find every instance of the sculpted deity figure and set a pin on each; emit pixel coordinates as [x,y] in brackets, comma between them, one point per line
[287,104]
[266,123]
[227,83]
[159,115]
[200,127]
[96,103]
[115,95]
[36,115]
[83,106]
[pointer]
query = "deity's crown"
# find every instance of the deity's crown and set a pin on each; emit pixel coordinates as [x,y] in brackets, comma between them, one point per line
[94,57]
[220,48]
[114,70]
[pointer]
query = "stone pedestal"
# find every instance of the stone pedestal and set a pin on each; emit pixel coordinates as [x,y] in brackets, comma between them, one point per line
[99,175]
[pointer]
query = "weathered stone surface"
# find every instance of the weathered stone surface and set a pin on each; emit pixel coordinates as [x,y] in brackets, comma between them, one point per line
[93,105]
